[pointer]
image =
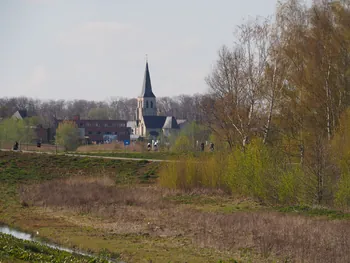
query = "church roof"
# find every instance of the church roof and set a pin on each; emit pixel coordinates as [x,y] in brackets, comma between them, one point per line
[23,113]
[170,123]
[160,122]
[154,122]
[147,86]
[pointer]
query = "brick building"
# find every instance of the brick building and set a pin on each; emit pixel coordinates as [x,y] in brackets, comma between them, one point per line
[103,130]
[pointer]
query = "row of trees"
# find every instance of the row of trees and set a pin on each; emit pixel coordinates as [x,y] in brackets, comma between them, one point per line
[279,107]
[182,107]
[285,79]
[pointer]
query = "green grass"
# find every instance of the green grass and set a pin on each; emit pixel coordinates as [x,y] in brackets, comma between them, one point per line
[21,167]
[17,250]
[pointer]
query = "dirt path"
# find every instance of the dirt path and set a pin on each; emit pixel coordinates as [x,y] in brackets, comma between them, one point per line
[95,156]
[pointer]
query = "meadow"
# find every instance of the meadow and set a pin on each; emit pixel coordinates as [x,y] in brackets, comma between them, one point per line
[131,209]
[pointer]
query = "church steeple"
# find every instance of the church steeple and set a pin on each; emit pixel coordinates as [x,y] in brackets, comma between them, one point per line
[147,86]
[147,102]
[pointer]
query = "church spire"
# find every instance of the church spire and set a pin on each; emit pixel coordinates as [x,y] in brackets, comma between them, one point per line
[147,86]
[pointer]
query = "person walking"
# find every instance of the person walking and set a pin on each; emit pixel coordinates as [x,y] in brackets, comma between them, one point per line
[15,147]
[211,147]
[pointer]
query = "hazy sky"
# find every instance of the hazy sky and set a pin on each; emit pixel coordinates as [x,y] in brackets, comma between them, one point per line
[95,49]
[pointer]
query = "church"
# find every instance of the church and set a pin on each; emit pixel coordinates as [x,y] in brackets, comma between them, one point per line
[148,123]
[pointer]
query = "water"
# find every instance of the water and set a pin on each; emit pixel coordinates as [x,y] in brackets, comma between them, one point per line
[25,236]
[15,233]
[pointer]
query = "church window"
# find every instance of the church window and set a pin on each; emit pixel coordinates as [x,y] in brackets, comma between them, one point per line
[146,103]
[151,104]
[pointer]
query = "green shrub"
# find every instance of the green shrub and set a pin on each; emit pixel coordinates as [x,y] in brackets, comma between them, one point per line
[290,186]
[257,172]
[182,144]
[342,195]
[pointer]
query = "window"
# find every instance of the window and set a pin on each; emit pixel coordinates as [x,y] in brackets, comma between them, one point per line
[81,124]
[88,124]
[115,133]
[108,133]
[151,104]
[98,132]
[90,132]
[97,124]
[146,103]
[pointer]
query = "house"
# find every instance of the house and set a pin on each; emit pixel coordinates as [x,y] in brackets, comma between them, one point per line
[101,131]
[42,134]
[148,122]
[132,126]
[21,114]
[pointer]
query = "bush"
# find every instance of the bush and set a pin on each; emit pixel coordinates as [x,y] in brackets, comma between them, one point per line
[256,172]
[290,186]
[67,135]
[342,196]
[182,144]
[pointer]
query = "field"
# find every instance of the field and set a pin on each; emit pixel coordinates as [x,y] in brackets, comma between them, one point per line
[117,207]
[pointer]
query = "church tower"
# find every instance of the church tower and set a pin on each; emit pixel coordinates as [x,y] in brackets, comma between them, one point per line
[146,103]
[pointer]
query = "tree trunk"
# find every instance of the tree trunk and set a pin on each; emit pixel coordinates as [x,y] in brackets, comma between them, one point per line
[328,108]
[269,118]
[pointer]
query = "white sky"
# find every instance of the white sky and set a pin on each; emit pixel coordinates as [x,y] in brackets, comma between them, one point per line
[95,49]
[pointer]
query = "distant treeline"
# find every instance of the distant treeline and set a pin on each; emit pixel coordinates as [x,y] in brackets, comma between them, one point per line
[182,107]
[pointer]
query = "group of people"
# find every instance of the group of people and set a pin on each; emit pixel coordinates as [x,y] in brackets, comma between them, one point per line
[211,147]
[155,146]
[202,146]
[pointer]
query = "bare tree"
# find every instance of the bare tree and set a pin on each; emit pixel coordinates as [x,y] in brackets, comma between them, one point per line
[238,78]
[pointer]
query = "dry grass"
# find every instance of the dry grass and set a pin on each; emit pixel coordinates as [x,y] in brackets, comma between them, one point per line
[146,210]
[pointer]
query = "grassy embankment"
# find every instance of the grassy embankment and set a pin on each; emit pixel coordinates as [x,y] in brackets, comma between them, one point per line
[17,250]
[116,207]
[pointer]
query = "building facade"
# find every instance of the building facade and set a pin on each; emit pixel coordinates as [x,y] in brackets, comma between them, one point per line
[101,131]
